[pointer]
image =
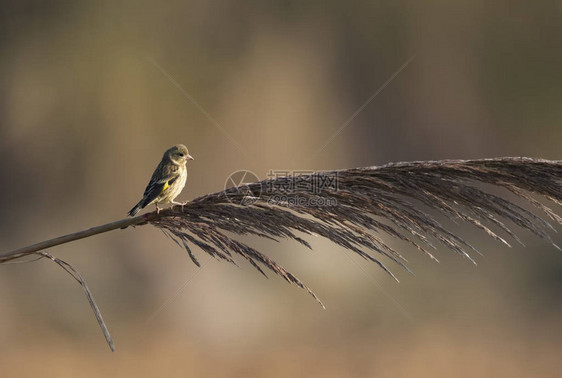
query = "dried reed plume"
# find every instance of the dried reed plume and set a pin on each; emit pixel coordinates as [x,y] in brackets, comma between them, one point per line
[356,209]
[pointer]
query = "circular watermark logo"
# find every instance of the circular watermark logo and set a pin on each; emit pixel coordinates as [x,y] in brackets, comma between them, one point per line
[237,189]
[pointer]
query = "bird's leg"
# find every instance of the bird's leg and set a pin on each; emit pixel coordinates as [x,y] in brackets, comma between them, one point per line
[182,204]
[157,208]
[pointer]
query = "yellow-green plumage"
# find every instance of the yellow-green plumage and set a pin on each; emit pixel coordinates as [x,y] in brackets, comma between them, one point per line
[168,179]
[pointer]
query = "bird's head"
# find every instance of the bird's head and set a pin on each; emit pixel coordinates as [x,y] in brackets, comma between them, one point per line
[178,154]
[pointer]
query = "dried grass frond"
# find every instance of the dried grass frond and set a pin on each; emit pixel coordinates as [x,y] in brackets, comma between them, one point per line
[371,201]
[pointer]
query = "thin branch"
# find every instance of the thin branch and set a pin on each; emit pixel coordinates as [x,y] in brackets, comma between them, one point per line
[76,275]
[120,224]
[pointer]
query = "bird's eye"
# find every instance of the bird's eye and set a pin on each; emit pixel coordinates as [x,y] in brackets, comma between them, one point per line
[181,155]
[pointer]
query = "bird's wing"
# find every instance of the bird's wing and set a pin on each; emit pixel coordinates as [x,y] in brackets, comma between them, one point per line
[163,177]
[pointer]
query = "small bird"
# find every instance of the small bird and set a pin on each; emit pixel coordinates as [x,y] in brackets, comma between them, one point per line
[167,180]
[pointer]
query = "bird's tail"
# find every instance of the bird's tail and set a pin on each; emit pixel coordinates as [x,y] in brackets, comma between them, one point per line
[135,209]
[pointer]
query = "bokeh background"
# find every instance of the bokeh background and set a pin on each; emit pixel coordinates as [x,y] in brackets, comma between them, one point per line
[91,94]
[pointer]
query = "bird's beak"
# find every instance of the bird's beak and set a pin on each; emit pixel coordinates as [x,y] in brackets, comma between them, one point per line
[189,157]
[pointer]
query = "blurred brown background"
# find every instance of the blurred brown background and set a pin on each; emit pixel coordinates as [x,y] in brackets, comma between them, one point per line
[87,109]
